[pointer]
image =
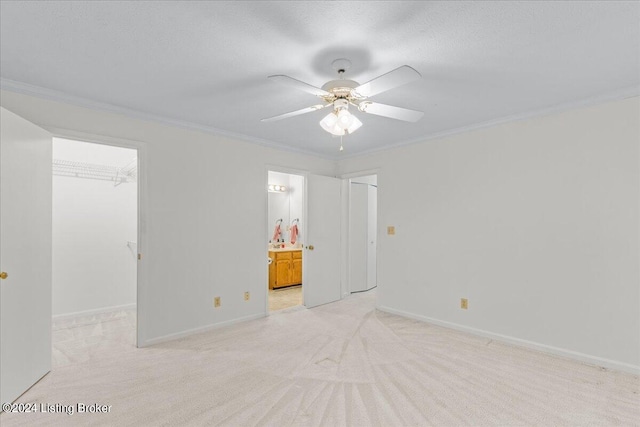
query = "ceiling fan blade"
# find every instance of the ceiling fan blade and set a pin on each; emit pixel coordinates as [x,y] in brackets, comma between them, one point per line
[398,77]
[296,113]
[290,81]
[390,111]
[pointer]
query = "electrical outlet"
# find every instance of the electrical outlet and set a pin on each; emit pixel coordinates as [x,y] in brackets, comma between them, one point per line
[464,303]
[391,230]
[216,302]
[247,296]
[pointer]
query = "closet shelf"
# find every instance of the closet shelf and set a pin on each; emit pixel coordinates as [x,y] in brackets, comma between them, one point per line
[117,175]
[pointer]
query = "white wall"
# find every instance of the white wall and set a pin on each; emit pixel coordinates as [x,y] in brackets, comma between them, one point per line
[535,222]
[206,215]
[93,268]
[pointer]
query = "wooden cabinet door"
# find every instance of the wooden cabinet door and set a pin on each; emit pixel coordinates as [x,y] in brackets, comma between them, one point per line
[296,273]
[283,272]
[272,270]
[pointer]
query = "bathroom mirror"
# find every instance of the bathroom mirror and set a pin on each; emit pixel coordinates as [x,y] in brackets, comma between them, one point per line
[286,205]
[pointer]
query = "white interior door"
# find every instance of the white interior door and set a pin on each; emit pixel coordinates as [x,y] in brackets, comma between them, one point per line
[25,254]
[358,237]
[372,236]
[321,282]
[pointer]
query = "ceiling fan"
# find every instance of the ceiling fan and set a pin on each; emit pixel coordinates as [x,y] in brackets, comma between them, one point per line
[339,94]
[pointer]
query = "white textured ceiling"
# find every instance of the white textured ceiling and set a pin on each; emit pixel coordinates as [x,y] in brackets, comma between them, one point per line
[206,63]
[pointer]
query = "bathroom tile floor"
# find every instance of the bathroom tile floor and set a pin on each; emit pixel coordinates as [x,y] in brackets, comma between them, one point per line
[282,298]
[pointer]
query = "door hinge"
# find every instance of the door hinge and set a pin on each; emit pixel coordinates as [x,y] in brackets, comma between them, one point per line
[139,257]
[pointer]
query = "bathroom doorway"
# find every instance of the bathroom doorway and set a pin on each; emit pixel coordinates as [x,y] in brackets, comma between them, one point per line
[285,215]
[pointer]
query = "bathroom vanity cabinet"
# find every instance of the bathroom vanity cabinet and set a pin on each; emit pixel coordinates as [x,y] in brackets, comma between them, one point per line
[285,268]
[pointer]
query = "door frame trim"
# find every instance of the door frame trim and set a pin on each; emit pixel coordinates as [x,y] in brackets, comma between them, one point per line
[366,172]
[142,271]
[346,271]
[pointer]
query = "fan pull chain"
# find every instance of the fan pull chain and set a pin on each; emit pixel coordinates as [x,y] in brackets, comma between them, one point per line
[341,147]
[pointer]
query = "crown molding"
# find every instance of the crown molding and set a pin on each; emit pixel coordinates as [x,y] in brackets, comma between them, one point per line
[616,95]
[54,95]
[62,97]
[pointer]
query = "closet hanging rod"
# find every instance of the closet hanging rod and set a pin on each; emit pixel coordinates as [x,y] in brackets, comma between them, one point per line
[115,174]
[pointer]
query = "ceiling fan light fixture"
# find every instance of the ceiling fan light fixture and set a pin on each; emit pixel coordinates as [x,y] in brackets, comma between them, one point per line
[330,124]
[338,131]
[329,121]
[340,121]
[355,125]
[345,118]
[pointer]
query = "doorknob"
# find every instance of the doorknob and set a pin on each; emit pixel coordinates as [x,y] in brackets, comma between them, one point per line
[3,275]
[310,247]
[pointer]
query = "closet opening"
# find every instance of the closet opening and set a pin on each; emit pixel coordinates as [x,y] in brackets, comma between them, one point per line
[363,235]
[285,216]
[95,249]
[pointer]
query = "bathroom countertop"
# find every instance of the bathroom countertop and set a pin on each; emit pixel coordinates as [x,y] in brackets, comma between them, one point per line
[289,249]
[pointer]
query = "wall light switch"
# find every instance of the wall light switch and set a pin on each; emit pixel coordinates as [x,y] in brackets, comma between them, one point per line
[391,230]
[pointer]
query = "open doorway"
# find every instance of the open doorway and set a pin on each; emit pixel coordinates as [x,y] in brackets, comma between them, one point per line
[285,220]
[94,268]
[363,225]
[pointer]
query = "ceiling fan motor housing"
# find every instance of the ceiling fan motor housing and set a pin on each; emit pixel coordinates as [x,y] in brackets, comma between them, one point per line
[340,88]
[340,104]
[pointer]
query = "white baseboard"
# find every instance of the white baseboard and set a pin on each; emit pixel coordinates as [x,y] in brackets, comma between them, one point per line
[176,335]
[65,316]
[586,358]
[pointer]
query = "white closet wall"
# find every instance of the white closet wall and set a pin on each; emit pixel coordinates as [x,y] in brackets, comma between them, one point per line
[94,233]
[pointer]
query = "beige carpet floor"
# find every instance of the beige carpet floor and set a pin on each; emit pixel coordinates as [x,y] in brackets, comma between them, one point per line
[336,365]
[282,298]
